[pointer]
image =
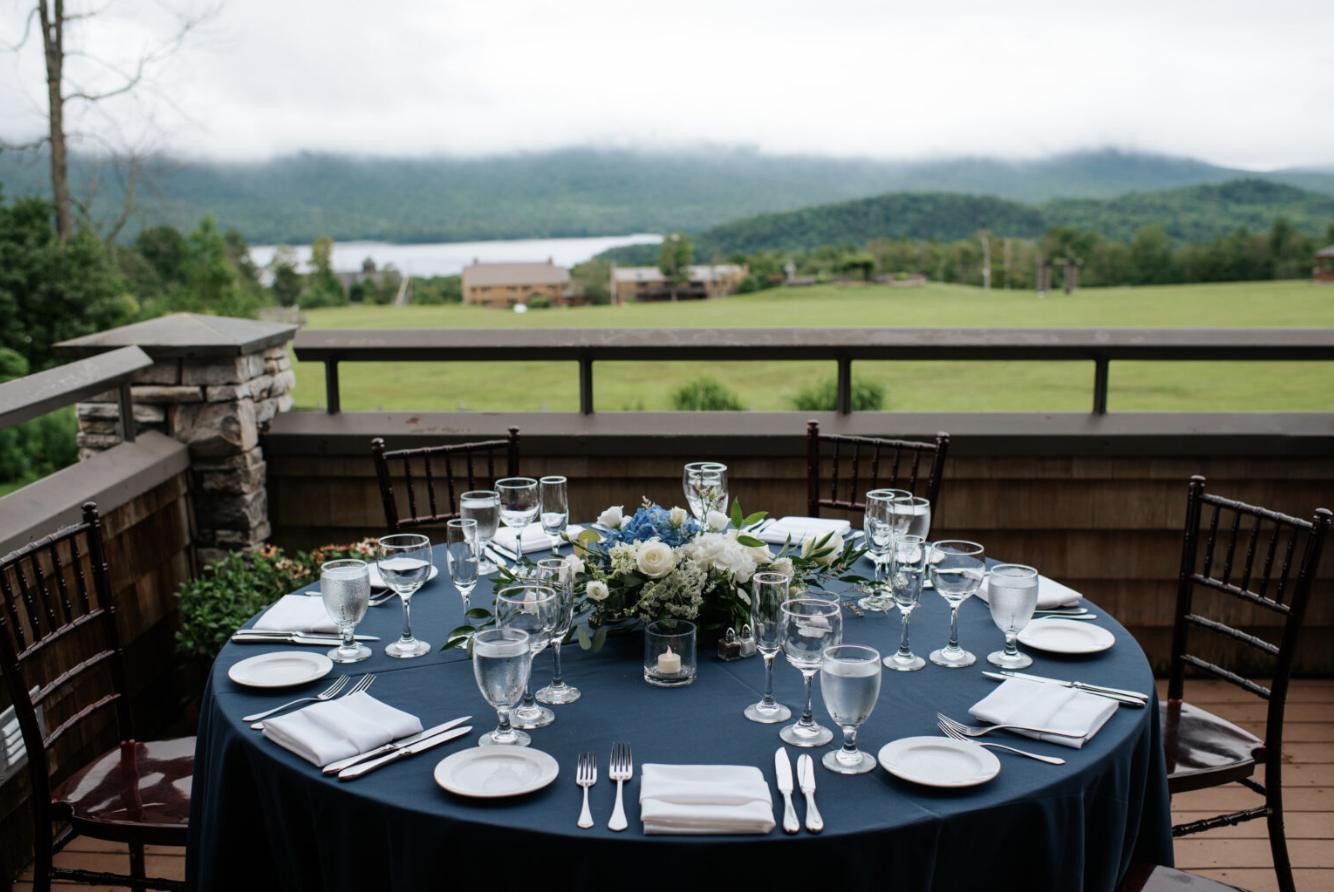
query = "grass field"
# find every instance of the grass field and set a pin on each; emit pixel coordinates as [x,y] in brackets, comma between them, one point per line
[912,385]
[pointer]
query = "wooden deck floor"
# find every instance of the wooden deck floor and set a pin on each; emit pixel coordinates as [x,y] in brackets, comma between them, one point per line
[1236,855]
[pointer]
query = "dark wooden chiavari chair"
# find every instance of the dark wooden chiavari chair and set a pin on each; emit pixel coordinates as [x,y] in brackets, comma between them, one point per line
[429,462]
[58,638]
[1202,749]
[894,464]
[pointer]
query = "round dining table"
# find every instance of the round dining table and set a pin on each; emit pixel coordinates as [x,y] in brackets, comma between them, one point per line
[261,817]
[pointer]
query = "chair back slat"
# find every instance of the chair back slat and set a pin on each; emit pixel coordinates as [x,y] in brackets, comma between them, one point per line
[104,702]
[1211,541]
[1251,544]
[26,591]
[856,470]
[1231,547]
[430,485]
[1217,671]
[407,485]
[1286,570]
[897,454]
[437,511]
[10,623]
[58,571]
[833,481]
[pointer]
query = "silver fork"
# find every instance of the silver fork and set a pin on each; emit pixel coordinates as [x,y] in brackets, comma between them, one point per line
[621,769]
[972,731]
[585,776]
[362,684]
[950,732]
[328,693]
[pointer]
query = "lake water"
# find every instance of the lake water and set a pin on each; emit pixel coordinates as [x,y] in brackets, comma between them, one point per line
[449,258]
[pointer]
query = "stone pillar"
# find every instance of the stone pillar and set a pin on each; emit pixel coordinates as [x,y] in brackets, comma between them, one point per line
[215,385]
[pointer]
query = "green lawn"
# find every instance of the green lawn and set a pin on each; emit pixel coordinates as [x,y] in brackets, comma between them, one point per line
[912,386]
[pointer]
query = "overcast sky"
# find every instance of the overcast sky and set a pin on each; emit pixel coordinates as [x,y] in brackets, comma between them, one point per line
[1247,84]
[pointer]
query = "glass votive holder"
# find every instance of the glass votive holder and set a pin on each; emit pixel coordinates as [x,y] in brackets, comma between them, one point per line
[669,653]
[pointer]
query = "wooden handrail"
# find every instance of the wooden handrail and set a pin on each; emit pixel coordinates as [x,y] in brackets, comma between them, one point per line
[35,395]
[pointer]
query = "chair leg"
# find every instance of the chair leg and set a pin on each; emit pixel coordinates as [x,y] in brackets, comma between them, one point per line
[137,864]
[1278,844]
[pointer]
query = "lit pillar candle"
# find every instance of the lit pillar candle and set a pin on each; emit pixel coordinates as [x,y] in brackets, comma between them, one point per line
[669,663]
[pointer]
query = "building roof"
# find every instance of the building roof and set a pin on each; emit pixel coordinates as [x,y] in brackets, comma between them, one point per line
[697,273]
[515,274]
[1325,252]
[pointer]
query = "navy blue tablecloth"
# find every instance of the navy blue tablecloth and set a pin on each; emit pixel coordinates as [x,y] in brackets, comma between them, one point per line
[260,815]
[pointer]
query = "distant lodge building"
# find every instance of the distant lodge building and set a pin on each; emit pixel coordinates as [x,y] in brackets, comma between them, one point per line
[1324,266]
[503,285]
[635,284]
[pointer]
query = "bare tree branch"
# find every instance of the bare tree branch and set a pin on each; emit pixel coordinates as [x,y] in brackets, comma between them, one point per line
[27,30]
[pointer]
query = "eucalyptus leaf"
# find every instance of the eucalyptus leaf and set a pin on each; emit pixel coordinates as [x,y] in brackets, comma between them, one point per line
[749,541]
[478,613]
[736,514]
[755,518]
[599,638]
[582,634]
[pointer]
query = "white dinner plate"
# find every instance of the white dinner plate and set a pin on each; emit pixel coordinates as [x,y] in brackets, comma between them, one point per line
[377,581]
[1063,636]
[281,669]
[939,761]
[490,772]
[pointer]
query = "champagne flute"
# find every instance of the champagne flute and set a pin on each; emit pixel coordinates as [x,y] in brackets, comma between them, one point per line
[404,561]
[559,574]
[1012,595]
[957,569]
[502,662]
[555,510]
[768,591]
[809,626]
[706,489]
[518,506]
[533,606]
[462,553]
[345,588]
[483,506]
[850,684]
[907,565]
[690,471]
[878,533]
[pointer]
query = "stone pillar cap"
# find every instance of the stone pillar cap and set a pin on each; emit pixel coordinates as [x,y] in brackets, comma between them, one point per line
[184,335]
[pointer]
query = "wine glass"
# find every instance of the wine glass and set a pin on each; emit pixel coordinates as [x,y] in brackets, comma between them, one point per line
[555,510]
[1012,594]
[502,662]
[705,484]
[957,569]
[404,561]
[850,684]
[345,588]
[907,565]
[462,553]
[911,515]
[768,592]
[809,626]
[534,606]
[518,506]
[559,574]
[878,533]
[483,506]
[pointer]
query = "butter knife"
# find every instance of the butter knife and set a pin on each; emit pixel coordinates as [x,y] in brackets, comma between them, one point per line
[420,746]
[335,767]
[806,778]
[1127,698]
[783,771]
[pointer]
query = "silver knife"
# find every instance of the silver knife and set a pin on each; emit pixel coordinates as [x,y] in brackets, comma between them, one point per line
[806,778]
[312,640]
[420,746]
[503,551]
[1128,698]
[280,633]
[783,771]
[335,767]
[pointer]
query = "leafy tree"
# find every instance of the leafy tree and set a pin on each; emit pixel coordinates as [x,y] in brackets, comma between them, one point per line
[593,279]
[322,287]
[38,447]
[674,259]
[287,281]
[860,264]
[437,290]
[1151,257]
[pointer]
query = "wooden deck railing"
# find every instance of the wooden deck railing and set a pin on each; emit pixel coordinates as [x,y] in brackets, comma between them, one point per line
[36,395]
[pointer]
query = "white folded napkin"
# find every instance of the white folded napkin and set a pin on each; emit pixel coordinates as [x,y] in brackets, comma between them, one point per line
[338,729]
[1050,594]
[534,538]
[297,613]
[800,528]
[1022,702]
[696,800]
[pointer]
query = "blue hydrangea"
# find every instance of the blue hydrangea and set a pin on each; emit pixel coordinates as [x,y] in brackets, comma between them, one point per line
[653,522]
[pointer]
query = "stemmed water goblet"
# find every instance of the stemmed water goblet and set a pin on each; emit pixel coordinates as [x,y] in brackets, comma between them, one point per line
[809,626]
[850,684]
[768,592]
[957,568]
[404,561]
[345,588]
[559,574]
[907,565]
[705,485]
[502,662]
[534,606]
[555,507]
[518,506]
[910,515]
[462,553]
[483,506]
[879,534]
[1012,595]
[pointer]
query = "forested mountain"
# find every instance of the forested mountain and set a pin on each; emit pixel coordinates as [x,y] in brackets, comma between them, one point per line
[578,192]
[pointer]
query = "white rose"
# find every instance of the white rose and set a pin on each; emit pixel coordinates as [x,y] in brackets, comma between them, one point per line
[784,566]
[574,565]
[613,517]
[678,516]
[834,548]
[717,520]
[655,559]
[598,591]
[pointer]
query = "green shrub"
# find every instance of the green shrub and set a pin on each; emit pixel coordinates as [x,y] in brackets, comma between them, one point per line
[539,302]
[867,396]
[705,394]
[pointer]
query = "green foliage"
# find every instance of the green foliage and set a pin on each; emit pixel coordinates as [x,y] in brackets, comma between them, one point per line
[592,278]
[287,281]
[38,447]
[437,290]
[675,256]
[539,302]
[705,394]
[822,396]
[322,287]
[861,264]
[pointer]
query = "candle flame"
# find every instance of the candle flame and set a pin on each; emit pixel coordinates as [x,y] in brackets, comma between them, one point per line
[669,650]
